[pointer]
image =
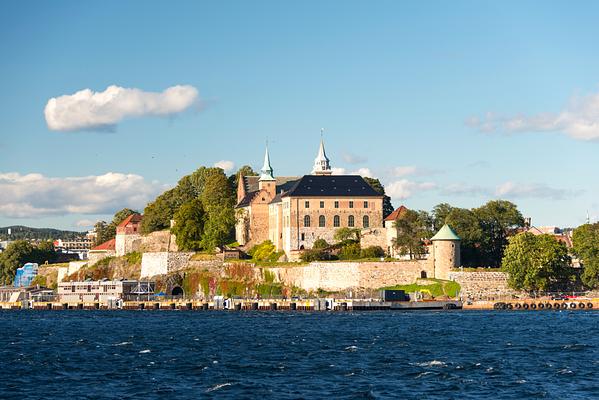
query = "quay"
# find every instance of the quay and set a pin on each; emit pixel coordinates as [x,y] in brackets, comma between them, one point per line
[535,304]
[239,305]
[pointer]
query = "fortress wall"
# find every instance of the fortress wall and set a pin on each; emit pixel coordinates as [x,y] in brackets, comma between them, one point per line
[482,284]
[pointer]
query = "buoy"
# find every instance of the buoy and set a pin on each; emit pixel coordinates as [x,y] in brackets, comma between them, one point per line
[564,305]
[451,306]
[580,305]
[525,306]
[589,305]
[541,306]
[572,305]
[518,306]
[533,306]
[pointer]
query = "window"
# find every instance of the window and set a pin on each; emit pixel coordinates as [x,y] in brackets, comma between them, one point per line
[321,221]
[307,204]
[350,221]
[303,236]
[336,204]
[322,204]
[365,204]
[365,221]
[336,222]
[307,221]
[351,204]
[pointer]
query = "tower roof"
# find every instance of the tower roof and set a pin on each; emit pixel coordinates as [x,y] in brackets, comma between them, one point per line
[445,233]
[322,165]
[266,171]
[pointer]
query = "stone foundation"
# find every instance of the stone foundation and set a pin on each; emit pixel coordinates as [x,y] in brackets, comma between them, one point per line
[483,285]
[160,263]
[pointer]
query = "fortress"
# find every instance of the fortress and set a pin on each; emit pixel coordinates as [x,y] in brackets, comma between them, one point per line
[293,212]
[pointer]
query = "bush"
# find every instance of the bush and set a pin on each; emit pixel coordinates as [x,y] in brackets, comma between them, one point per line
[372,252]
[320,244]
[265,251]
[350,252]
[133,258]
[315,255]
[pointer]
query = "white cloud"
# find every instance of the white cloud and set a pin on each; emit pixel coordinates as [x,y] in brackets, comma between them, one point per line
[226,165]
[35,195]
[85,223]
[403,188]
[579,119]
[404,171]
[339,171]
[366,172]
[530,190]
[354,159]
[464,189]
[89,110]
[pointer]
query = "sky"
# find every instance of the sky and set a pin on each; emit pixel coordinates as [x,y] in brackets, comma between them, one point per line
[105,105]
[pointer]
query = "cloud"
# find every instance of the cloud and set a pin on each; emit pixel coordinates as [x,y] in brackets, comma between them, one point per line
[89,110]
[36,195]
[339,171]
[404,171]
[464,189]
[531,190]
[85,223]
[365,172]
[354,159]
[579,119]
[403,188]
[226,165]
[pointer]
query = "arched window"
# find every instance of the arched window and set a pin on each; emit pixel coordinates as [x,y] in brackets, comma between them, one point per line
[307,221]
[321,221]
[336,221]
[350,221]
[365,221]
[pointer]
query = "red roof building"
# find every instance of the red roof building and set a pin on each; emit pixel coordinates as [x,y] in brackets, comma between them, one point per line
[130,225]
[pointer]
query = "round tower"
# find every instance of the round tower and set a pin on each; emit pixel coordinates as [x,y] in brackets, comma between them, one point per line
[446,252]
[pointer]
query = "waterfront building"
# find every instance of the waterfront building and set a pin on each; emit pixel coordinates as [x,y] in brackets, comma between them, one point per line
[80,246]
[293,212]
[104,290]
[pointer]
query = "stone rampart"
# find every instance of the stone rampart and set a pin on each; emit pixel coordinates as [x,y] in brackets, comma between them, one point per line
[335,276]
[482,284]
[160,263]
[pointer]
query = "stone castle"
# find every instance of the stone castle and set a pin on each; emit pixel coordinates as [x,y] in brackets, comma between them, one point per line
[293,212]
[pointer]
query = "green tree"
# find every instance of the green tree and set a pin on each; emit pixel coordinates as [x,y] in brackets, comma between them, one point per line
[536,263]
[378,187]
[411,230]
[585,241]
[20,252]
[320,244]
[189,225]
[440,213]
[498,220]
[218,201]
[346,234]
[466,225]
[246,170]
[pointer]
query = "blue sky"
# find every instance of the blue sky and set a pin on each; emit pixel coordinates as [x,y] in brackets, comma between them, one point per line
[457,102]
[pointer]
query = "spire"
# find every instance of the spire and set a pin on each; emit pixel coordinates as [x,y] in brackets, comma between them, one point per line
[322,164]
[266,171]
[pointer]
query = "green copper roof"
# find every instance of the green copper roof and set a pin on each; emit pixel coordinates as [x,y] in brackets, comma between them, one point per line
[446,233]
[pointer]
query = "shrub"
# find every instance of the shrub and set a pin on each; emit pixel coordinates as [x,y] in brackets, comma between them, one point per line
[315,255]
[372,252]
[133,258]
[320,244]
[350,252]
[265,251]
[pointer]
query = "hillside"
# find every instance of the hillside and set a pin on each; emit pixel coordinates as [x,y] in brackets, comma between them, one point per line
[25,232]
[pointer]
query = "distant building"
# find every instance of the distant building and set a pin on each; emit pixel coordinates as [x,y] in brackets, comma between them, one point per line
[25,275]
[106,249]
[104,290]
[80,246]
[128,235]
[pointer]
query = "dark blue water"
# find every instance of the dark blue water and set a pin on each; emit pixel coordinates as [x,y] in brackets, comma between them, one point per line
[182,355]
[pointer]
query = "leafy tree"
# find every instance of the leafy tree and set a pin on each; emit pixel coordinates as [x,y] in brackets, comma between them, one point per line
[320,244]
[20,252]
[218,201]
[106,232]
[372,252]
[345,234]
[189,225]
[378,187]
[440,213]
[498,219]
[585,240]
[350,251]
[411,230]
[466,225]
[265,251]
[536,263]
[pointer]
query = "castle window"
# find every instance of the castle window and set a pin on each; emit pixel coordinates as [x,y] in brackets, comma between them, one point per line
[365,204]
[303,236]
[322,204]
[350,221]
[336,204]
[351,204]
[336,221]
[365,221]
[307,221]
[307,204]
[321,221]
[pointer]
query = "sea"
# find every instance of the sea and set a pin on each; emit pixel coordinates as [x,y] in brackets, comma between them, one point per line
[74,354]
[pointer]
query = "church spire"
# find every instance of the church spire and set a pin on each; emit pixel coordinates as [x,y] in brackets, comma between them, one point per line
[322,164]
[266,171]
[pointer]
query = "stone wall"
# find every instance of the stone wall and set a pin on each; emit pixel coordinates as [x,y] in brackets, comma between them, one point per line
[335,276]
[127,243]
[96,255]
[160,263]
[158,241]
[478,285]
[73,267]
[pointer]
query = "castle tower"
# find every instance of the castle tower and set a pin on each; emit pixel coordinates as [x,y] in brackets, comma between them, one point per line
[267,181]
[322,164]
[446,252]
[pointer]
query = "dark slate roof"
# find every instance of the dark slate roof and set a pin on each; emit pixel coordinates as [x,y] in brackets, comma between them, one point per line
[246,199]
[332,186]
[277,198]
[284,183]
